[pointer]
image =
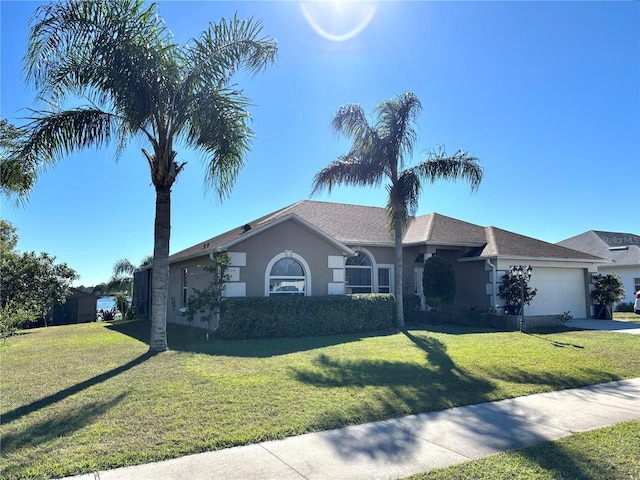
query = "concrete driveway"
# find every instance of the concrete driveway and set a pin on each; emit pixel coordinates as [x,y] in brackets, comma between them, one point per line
[609,325]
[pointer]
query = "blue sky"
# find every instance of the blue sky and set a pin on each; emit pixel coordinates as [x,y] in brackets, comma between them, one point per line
[545,94]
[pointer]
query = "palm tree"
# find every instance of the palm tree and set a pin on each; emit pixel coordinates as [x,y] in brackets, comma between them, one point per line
[123,271]
[17,176]
[120,56]
[379,153]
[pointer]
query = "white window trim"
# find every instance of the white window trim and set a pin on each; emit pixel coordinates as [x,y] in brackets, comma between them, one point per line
[374,269]
[295,256]
[389,266]
[184,290]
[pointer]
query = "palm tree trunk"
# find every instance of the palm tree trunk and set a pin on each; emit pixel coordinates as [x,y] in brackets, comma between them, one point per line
[160,271]
[397,227]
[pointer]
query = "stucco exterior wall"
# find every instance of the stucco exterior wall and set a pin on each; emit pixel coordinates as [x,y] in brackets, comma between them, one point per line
[196,278]
[471,280]
[627,275]
[250,259]
[287,236]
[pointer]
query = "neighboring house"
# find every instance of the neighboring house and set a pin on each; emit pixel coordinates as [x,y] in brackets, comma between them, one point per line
[79,307]
[320,248]
[622,250]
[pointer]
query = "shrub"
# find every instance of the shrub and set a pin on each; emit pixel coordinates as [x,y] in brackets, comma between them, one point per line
[608,290]
[272,317]
[108,314]
[13,316]
[411,307]
[511,289]
[123,305]
[624,307]
[439,282]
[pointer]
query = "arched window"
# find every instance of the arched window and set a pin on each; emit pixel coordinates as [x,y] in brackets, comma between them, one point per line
[358,273]
[287,277]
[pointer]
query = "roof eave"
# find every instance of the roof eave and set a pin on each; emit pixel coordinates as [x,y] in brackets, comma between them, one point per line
[529,258]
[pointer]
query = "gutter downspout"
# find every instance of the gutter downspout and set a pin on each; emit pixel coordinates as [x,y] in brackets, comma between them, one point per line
[494,298]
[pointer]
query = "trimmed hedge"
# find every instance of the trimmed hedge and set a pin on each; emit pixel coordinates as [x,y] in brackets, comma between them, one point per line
[272,317]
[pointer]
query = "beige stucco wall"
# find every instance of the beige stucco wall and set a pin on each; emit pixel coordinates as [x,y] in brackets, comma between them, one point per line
[258,251]
[471,281]
[290,235]
[196,278]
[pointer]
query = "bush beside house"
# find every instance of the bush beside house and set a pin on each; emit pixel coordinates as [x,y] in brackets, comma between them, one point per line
[270,317]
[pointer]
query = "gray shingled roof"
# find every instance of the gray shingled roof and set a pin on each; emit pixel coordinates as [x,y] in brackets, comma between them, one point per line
[441,230]
[368,226]
[348,224]
[509,244]
[619,248]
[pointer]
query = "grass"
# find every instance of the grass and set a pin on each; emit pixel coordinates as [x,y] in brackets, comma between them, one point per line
[609,453]
[628,316]
[88,397]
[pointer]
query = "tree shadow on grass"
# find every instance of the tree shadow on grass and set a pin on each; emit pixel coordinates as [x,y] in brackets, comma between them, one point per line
[435,384]
[184,339]
[553,342]
[19,412]
[556,381]
[403,388]
[45,430]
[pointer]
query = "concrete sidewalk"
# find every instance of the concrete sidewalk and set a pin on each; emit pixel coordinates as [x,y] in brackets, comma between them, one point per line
[405,446]
[620,326]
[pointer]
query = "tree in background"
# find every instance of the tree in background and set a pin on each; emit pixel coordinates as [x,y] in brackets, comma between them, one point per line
[379,154]
[123,270]
[121,57]
[438,282]
[17,174]
[31,283]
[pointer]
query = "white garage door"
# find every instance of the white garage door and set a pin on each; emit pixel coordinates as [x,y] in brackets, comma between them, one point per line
[559,290]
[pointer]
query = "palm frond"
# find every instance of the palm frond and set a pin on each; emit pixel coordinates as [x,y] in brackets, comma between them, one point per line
[396,124]
[403,197]
[122,269]
[146,262]
[50,135]
[219,126]
[347,170]
[17,173]
[226,48]
[117,52]
[460,166]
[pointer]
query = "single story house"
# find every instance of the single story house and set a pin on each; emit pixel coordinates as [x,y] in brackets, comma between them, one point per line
[622,250]
[322,248]
[79,307]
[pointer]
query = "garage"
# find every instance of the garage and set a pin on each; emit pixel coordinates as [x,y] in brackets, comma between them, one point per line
[559,290]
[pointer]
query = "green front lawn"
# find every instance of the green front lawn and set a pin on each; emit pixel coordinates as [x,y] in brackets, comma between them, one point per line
[628,316]
[88,397]
[609,453]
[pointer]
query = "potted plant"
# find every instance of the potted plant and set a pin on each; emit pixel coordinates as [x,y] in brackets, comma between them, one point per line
[511,292]
[608,289]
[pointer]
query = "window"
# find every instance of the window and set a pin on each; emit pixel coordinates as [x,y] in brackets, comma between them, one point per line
[636,285]
[183,302]
[358,273]
[384,280]
[287,277]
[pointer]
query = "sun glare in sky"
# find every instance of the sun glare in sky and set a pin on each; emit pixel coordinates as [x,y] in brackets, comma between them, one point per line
[338,20]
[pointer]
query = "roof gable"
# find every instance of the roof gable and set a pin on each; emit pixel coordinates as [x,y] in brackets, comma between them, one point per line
[619,248]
